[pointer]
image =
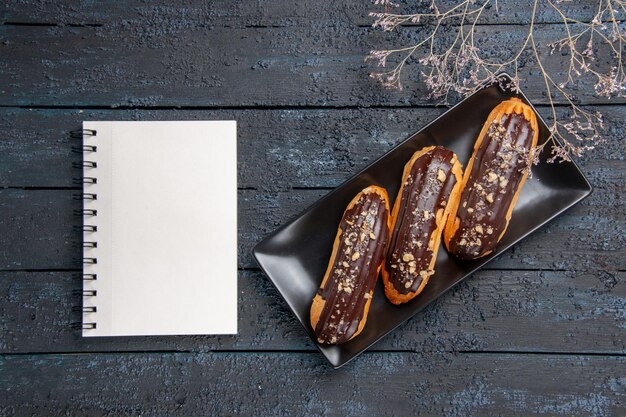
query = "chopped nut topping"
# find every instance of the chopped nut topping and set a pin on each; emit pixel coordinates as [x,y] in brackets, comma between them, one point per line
[463,242]
[367,296]
[349,222]
[492,177]
[503,183]
[407,257]
[489,230]
[345,264]
[479,229]
[464,203]
[347,242]
[362,237]
[479,187]
[348,290]
[372,235]
[407,284]
[441,176]
[424,274]
[426,214]
[470,210]
[490,197]
[355,256]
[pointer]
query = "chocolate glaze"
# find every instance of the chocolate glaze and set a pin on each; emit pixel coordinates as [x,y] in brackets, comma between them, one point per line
[426,190]
[499,166]
[352,278]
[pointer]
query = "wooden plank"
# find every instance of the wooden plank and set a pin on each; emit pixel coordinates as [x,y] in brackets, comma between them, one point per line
[492,311]
[176,65]
[37,229]
[229,13]
[588,237]
[300,384]
[277,149]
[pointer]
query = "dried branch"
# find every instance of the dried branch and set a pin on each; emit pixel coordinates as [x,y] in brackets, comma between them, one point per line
[457,67]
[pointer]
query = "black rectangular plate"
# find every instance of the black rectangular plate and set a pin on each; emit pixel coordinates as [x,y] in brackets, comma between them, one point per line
[295,256]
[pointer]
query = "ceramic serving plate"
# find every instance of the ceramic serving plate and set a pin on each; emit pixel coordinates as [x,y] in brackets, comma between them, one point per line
[295,256]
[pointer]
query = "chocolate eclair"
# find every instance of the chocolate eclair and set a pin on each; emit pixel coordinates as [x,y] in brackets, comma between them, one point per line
[431,178]
[492,181]
[340,306]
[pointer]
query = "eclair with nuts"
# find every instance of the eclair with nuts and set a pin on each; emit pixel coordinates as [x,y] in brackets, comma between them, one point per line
[492,181]
[340,306]
[432,177]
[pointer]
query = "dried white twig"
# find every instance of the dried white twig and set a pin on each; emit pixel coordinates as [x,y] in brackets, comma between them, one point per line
[457,67]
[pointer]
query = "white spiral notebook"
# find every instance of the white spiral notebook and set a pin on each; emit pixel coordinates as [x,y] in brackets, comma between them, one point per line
[159,228]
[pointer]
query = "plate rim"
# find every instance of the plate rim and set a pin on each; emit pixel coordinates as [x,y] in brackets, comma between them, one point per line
[503,76]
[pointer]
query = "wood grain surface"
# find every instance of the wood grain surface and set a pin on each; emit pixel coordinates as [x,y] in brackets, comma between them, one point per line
[241,384]
[541,330]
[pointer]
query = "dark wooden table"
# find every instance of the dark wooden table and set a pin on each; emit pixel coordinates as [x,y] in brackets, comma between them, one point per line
[541,330]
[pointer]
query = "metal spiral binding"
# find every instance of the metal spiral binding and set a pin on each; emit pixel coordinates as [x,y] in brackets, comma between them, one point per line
[85,196]
[84,148]
[84,213]
[89,309]
[86,228]
[86,293]
[84,180]
[85,164]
